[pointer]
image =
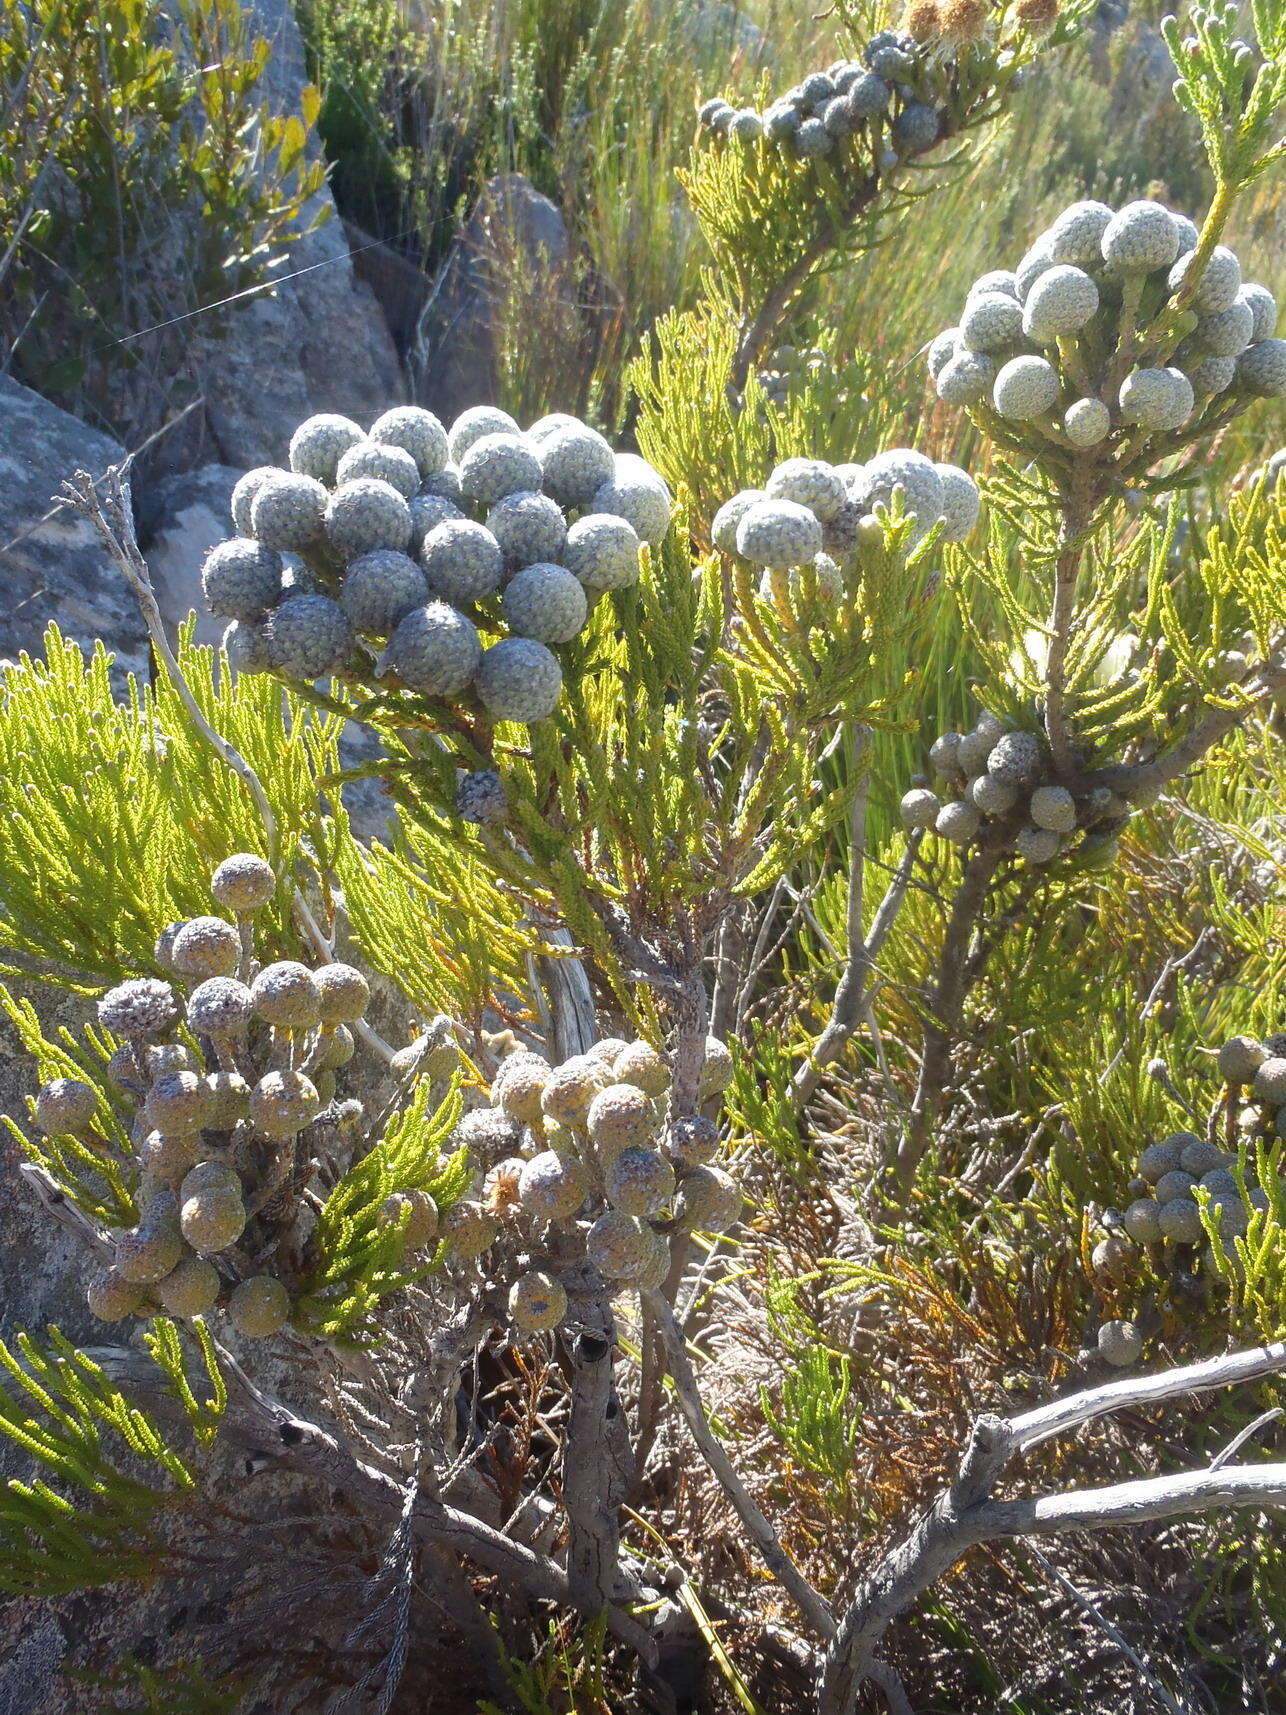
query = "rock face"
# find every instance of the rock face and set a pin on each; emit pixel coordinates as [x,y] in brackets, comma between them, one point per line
[185,517]
[53,567]
[317,343]
[513,231]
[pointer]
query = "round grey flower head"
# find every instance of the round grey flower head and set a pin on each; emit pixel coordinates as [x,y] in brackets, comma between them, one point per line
[810,483]
[1086,422]
[1263,310]
[842,533]
[319,443]
[602,551]
[919,808]
[781,121]
[991,321]
[380,589]
[141,1007]
[1140,237]
[942,348]
[708,109]
[1060,302]
[1261,369]
[1077,234]
[219,1006]
[287,512]
[243,882]
[914,475]
[241,579]
[1032,266]
[1016,759]
[545,602]
[497,465]
[639,495]
[575,463]
[488,1134]
[417,432]
[1226,334]
[205,947]
[543,427]
[1211,375]
[286,994]
[813,140]
[435,650]
[779,533]
[868,95]
[958,822]
[1156,399]
[393,465]
[480,798]
[308,636]
[966,378]
[243,495]
[444,484]
[1219,285]
[472,425]
[838,117]
[723,529]
[65,1106]
[1025,387]
[519,679]
[915,128]
[995,280]
[427,512]
[961,501]
[367,514]
[462,560]
[529,528]
[246,646]
[746,125]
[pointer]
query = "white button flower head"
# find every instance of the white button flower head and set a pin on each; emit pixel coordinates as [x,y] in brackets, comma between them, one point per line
[1261,369]
[244,493]
[462,560]
[1226,334]
[241,579]
[390,464]
[942,348]
[1077,234]
[991,321]
[576,463]
[1032,266]
[1156,399]
[287,512]
[1220,282]
[1087,422]
[1139,238]
[545,602]
[602,551]
[723,530]
[639,495]
[529,528]
[1026,387]
[319,443]
[995,280]
[911,474]
[810,483]
[519,680]
[367,514]
[470,426]
[966,378]
[961,502]
[308,636]
[417,432]
[1060,302]
[380,589]
[435,650]
[1263,310]
[778,533]
[497,465]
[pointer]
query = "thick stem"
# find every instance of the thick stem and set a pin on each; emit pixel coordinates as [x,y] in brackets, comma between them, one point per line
[956,976]
[598,1467]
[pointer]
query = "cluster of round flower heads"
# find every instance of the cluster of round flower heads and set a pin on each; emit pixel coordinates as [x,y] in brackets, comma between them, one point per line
[996,782]
[215,1130]
[581,1162]
[810,513]
[448,563]
[896,95]
[1103,336]
[1186,1173]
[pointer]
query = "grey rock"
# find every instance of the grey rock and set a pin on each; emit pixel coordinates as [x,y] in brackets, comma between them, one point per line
[319,342]
[186,516]
[401,288]
[52,565]
[715,29]
[513,227]
[27,1675]
[1144,83]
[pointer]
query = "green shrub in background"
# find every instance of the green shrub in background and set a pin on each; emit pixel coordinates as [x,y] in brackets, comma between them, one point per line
[143,175]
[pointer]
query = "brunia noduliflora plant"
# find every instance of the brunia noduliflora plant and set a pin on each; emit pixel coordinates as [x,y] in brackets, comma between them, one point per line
[527,1196]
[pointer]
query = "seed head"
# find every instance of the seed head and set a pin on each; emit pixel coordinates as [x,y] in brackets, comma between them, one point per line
[345,993]
[552,1187]
[259,1307]
[206,947]
[65,1107]
[283,1103]
[537,1301]
[286,994]
[138,1008]
[243,882]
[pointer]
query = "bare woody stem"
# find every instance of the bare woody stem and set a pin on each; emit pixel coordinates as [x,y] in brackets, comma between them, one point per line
[1078,508]
[965,1514]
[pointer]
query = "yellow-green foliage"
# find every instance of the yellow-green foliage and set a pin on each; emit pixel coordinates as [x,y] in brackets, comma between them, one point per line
[104,1473]
[361,1256]
[136,785]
